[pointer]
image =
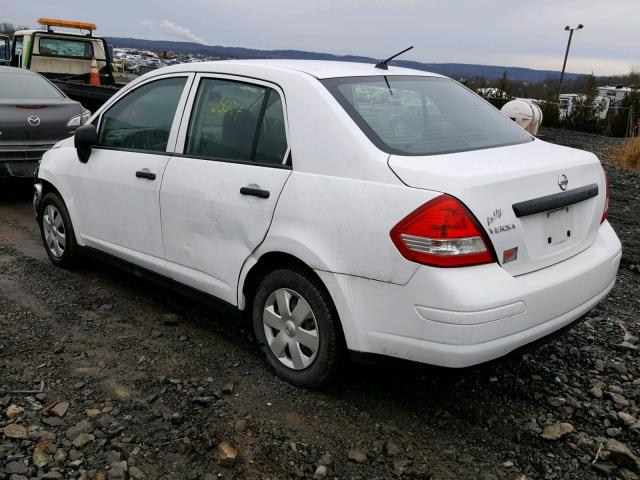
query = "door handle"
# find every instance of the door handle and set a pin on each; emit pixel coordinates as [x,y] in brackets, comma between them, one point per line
[146,174]
[256,192]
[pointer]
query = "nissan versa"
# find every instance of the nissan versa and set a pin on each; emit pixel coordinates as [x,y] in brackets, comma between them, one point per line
[343,206]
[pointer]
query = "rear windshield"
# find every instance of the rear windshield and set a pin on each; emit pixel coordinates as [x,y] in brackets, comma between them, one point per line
[21,86]
[65,47]
[413,115]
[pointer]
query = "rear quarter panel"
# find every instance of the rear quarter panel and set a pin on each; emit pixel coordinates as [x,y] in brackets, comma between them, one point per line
[342,225]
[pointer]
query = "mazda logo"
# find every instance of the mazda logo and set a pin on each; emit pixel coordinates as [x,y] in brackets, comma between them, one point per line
[33,120]
[563,182]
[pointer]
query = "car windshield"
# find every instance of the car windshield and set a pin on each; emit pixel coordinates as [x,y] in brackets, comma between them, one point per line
[21,86]
[416,115]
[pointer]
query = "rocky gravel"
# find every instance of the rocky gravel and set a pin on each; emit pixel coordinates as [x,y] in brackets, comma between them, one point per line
[104,376]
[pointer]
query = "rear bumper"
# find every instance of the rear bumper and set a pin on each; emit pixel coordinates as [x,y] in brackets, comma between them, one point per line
[20,161]
[467,316]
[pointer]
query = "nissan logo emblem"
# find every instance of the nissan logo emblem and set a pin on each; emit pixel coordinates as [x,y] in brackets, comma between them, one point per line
[563,182]
[34,120]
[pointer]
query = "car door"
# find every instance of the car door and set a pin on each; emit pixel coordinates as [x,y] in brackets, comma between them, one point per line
[221,187]
[116,193]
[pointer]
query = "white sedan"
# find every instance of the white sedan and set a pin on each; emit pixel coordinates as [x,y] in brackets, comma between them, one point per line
[341,206]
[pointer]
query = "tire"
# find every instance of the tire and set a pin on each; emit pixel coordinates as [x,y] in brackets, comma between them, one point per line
[315,349]
[58,236]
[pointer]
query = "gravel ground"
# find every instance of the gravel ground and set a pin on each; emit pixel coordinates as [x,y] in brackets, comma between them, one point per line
[106,376]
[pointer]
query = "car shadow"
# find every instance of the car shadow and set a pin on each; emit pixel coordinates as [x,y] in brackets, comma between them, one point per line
[362,369]
[15,190]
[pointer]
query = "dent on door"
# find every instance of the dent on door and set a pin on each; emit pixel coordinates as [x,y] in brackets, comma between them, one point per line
[209,226]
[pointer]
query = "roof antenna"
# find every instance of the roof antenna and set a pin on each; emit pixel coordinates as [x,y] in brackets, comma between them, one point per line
[384,64]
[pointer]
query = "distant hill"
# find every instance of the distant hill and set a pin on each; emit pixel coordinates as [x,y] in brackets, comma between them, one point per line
[454,70]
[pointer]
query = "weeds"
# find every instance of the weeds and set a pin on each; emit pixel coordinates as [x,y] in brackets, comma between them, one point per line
[628,155]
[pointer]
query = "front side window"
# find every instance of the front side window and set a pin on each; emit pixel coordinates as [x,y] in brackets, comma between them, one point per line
[238,122]
[415,115]
[142,119]
[65,47]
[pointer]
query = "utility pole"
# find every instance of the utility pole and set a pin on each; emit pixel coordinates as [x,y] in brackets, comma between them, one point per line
[566,54]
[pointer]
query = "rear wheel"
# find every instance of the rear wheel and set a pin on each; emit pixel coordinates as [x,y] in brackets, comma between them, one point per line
[297,328]
[57,232]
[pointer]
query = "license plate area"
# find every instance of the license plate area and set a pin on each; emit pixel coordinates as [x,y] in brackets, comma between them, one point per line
[559,226]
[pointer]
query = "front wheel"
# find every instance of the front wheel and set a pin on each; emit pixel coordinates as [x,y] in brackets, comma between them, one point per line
[57,232]
[297,328]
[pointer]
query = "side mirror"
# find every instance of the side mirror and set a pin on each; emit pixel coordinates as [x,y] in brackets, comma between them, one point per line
[86,137]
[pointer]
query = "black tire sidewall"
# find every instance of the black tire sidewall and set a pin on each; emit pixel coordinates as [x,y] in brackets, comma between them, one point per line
[70,253]
[330,355]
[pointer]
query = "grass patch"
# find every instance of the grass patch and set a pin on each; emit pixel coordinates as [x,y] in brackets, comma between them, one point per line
[628,155]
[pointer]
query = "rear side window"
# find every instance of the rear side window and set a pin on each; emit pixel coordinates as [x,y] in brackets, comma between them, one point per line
[415,115]
[142,119]
[272,137]
[65,47]
[237,121]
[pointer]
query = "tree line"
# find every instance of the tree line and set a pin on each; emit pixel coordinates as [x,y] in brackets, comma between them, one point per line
[8,28]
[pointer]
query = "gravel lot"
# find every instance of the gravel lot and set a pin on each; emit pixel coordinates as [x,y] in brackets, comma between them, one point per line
[103,375]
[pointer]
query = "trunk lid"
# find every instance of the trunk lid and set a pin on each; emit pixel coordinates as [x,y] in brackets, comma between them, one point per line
[48,122]
[489,182]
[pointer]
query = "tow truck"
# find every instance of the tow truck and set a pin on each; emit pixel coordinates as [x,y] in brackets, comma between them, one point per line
[66,59]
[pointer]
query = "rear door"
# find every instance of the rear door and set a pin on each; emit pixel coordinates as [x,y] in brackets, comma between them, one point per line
[116,193]
[220,189]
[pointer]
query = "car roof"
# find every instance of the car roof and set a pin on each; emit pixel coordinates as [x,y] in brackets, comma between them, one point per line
[316,68]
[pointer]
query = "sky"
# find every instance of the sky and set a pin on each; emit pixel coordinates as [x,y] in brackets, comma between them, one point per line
[514,33]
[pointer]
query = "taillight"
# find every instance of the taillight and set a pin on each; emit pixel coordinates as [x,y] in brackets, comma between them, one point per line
[605,212]
[442,233]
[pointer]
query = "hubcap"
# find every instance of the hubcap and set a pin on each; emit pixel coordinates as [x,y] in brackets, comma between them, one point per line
[54,232]
[291,329]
